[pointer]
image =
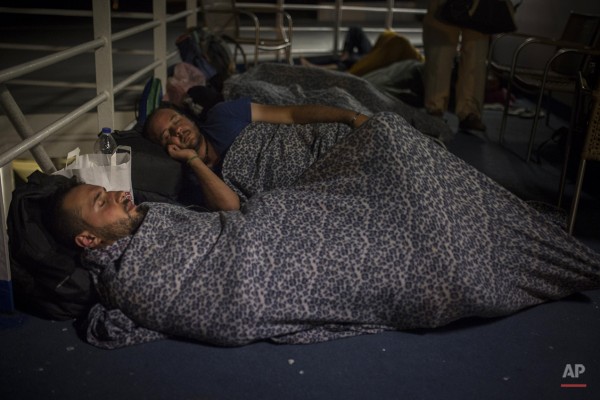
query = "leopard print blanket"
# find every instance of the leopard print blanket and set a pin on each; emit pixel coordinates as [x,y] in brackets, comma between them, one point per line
[267,156]
[282,84]
[386,231]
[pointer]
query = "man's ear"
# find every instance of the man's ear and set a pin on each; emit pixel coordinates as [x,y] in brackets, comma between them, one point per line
[87,239]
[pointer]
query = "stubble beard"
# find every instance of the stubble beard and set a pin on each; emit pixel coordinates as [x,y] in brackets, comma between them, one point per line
[124,227]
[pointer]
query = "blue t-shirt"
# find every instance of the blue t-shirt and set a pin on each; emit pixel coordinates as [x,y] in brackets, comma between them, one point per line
[223,124]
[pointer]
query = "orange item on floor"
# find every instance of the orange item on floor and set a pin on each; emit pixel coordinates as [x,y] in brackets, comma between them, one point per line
[389,48]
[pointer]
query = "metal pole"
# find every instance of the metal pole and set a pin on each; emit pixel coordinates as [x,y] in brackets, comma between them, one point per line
[104,63]
[337,22]
[6,294]
[159,9]
[16,117]
[389,20]
[191,20]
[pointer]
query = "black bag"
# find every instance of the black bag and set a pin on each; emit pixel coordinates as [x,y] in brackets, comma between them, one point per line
[485,16]
[48,278]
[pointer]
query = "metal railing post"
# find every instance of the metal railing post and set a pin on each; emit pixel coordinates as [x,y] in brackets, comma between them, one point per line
[6,293]
[159,8]
[16,117]
[192,19]
[389,19]
[337,25]
[104,63]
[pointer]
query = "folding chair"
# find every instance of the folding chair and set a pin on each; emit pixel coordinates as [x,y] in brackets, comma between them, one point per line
[225,17]
[573,52]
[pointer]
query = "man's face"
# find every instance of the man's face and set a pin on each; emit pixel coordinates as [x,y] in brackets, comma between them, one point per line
[109,215]
[170,127]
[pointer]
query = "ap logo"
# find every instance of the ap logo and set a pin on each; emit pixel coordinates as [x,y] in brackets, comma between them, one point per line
[573,371]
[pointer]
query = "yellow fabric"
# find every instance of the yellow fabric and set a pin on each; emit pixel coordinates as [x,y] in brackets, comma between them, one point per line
[389,48]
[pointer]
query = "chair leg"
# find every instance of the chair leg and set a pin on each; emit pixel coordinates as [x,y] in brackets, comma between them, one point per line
[563,174]
[547,119]
[255,55]
[576,196]
[536,117]
[572,123]
[505,113]
[288,55]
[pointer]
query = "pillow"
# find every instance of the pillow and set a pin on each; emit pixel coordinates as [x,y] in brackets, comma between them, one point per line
[155,176]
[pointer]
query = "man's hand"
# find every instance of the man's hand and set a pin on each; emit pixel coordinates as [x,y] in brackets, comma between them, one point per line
[179,154]
[217,195]
[361,119]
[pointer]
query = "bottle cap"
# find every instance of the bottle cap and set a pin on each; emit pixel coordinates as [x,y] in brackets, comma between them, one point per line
[105,130]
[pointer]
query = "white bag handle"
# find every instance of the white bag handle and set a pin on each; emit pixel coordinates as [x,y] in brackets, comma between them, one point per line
[108,170]
[113,157]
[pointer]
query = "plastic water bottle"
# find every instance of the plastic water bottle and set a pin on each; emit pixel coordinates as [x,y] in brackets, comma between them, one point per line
[106,143]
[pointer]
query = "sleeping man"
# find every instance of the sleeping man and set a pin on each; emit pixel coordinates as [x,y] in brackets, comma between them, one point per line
[203,145]
[386,231]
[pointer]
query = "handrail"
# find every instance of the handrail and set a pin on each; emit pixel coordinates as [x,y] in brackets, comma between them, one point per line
[142,72]
[71,13]
[29,143]
[337,8]
[43,62]
[43,134]
[16,117]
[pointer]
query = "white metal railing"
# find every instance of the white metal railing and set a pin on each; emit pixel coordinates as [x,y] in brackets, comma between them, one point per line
[106,89]
[104,72]
[103,102]
[338,8]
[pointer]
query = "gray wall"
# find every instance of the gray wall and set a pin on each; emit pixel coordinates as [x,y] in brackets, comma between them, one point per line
[546,18]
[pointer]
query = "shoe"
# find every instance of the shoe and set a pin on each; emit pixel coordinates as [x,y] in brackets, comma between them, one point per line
[472,123]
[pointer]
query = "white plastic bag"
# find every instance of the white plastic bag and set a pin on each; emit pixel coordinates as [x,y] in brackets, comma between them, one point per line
[111,171]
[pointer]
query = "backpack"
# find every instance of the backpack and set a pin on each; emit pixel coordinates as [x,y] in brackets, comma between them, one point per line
[151,98]
[48,277]
[210,53]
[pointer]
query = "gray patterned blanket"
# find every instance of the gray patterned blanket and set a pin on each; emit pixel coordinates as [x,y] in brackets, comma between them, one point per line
[272,83]
[267,156]
[385,231]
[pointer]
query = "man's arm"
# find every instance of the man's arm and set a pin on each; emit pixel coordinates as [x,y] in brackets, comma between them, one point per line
[217,195]
[306,114]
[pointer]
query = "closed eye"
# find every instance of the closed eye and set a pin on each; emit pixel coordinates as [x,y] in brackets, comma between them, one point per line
[100,198]
[164,138]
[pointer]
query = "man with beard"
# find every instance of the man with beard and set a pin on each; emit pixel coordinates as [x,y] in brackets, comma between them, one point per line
[90,217]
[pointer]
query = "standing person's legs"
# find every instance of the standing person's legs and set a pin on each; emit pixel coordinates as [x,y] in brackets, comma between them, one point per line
[470,85]
[355,40]
[440,42]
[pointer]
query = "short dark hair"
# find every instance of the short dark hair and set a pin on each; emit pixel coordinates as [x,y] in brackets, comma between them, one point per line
[203,97]
[152,115]
[65,224]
